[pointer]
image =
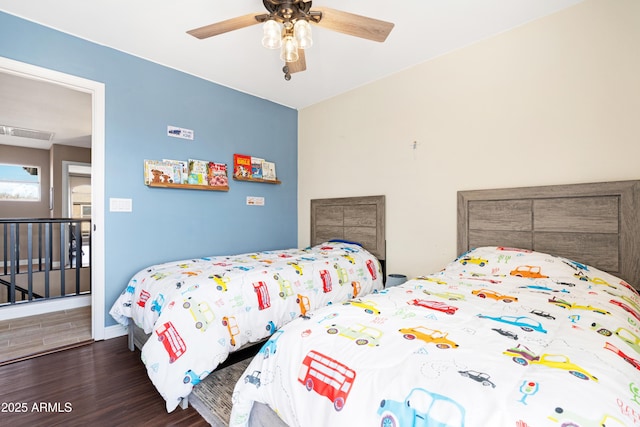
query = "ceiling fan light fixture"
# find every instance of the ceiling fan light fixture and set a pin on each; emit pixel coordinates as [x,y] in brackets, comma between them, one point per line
[289,51]
[271,38]
[302,33]
[286,26]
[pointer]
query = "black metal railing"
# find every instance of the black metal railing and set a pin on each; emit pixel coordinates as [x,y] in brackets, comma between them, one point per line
[44,259]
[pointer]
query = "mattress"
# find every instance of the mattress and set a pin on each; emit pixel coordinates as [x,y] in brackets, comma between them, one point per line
[500,337]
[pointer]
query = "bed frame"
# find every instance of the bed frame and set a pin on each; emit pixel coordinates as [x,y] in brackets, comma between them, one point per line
[597,223]
[356,219]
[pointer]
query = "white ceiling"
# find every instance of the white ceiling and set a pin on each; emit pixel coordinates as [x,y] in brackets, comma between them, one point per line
[36,105]
[156,30]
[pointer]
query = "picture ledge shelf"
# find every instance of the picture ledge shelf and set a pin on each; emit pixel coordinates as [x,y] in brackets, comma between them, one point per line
[266,181]
[189,186]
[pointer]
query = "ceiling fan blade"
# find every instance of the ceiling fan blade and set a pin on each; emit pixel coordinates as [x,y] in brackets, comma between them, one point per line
[299,65]
[225,26]
[354,25]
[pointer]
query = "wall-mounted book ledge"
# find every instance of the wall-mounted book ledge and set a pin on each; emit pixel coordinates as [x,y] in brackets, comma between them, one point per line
[266,181]
[189,186]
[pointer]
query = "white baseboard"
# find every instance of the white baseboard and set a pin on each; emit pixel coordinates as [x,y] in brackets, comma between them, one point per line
[34,308]
[115,331]
[42,307]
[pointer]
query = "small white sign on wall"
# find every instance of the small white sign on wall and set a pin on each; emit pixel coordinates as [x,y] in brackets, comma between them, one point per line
[177,132]
[255,201]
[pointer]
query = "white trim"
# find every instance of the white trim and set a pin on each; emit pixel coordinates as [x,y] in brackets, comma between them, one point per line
[115,331]
[34,308]
[97,90]
[66,199]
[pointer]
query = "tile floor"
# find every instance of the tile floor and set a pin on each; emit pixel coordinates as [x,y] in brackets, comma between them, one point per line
[35,335]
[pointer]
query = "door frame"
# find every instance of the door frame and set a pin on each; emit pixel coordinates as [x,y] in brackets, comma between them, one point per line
[97,92]
[65,194]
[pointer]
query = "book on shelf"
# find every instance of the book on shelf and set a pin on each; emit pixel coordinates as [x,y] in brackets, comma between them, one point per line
[269,171]
[158,172]
[180,170]
[256,167]
[218,174]
[198,172]
[241,166]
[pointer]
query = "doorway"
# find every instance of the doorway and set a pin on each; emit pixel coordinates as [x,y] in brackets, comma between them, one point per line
[76,204]
[97,92]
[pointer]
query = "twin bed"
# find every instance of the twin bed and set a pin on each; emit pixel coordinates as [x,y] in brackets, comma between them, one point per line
[535,323]
[187,316]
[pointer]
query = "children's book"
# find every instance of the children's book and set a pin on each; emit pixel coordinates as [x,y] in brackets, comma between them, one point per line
[198,172]
[180,170]
[256,167]
[218,174]
[269,171]
[241,166]
[158,172]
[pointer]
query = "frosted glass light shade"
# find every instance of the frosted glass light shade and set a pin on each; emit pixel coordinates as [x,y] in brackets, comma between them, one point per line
[302,33]
[289,52]
[271,38]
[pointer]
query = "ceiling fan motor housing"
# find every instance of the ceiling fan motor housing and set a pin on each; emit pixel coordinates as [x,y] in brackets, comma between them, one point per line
[290,11]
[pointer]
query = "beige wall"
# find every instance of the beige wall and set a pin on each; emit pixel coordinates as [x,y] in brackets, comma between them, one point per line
[28,157]
[60,153]
[555,101]
[50,163]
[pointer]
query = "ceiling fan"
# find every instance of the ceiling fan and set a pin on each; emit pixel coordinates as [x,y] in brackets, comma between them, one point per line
[286,27]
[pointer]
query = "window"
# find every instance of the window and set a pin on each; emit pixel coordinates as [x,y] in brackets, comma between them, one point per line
[85,211]
[18,182]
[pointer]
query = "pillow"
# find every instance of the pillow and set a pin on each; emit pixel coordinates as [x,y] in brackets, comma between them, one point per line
[505,261]
[345,241]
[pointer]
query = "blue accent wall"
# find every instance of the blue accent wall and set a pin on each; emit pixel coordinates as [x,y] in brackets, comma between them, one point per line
[142,99]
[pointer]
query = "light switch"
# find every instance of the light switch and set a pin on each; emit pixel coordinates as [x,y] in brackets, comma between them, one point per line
[120,205]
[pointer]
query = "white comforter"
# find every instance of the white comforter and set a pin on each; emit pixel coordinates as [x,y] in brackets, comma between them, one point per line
[501,337]
[200,310]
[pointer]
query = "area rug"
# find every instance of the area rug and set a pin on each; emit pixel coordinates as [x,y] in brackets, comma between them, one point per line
[212,397]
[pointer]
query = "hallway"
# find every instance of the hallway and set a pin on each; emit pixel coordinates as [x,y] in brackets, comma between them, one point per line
[31,336]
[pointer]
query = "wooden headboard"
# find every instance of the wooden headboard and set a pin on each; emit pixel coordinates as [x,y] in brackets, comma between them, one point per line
[357,219]
[597,224]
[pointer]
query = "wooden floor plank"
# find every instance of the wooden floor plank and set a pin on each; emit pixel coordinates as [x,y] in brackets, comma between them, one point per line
[33,335]
[99,384]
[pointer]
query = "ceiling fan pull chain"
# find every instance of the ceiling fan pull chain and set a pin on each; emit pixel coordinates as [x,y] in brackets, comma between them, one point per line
[287,75]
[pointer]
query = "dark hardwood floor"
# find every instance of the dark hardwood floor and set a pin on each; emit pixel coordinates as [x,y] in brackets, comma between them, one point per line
[101,384]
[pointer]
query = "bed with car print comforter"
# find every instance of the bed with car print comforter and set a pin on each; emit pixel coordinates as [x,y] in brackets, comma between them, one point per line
[200,310]
[500,337]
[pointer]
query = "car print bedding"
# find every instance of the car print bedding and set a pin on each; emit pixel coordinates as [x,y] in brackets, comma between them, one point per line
[499,337]
[200,310]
